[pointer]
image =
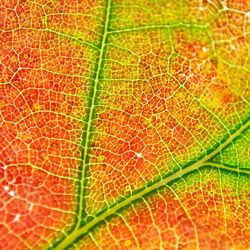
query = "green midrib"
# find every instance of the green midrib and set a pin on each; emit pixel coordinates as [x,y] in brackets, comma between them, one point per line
[87,131]
[93,97]
[74,235]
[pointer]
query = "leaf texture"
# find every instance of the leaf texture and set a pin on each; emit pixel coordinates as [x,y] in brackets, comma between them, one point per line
[124,125]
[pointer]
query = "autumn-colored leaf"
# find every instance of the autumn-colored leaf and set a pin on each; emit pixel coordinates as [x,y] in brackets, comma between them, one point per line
[124,124]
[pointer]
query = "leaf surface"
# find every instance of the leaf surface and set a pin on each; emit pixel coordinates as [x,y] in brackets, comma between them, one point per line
[124,125]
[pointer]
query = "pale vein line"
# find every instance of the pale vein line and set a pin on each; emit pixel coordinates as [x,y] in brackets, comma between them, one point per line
[189,217]
[221,166]
[160,26]
[154,224]
[112,236]
[223,201]
[130,230]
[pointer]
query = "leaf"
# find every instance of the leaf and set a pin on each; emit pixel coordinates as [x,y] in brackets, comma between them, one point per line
[124,125]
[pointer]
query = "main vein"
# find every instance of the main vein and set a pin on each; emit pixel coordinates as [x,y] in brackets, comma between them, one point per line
[93,96]
[112,210]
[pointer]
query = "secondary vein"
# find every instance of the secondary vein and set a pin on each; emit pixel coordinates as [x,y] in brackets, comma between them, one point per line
[112,210]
